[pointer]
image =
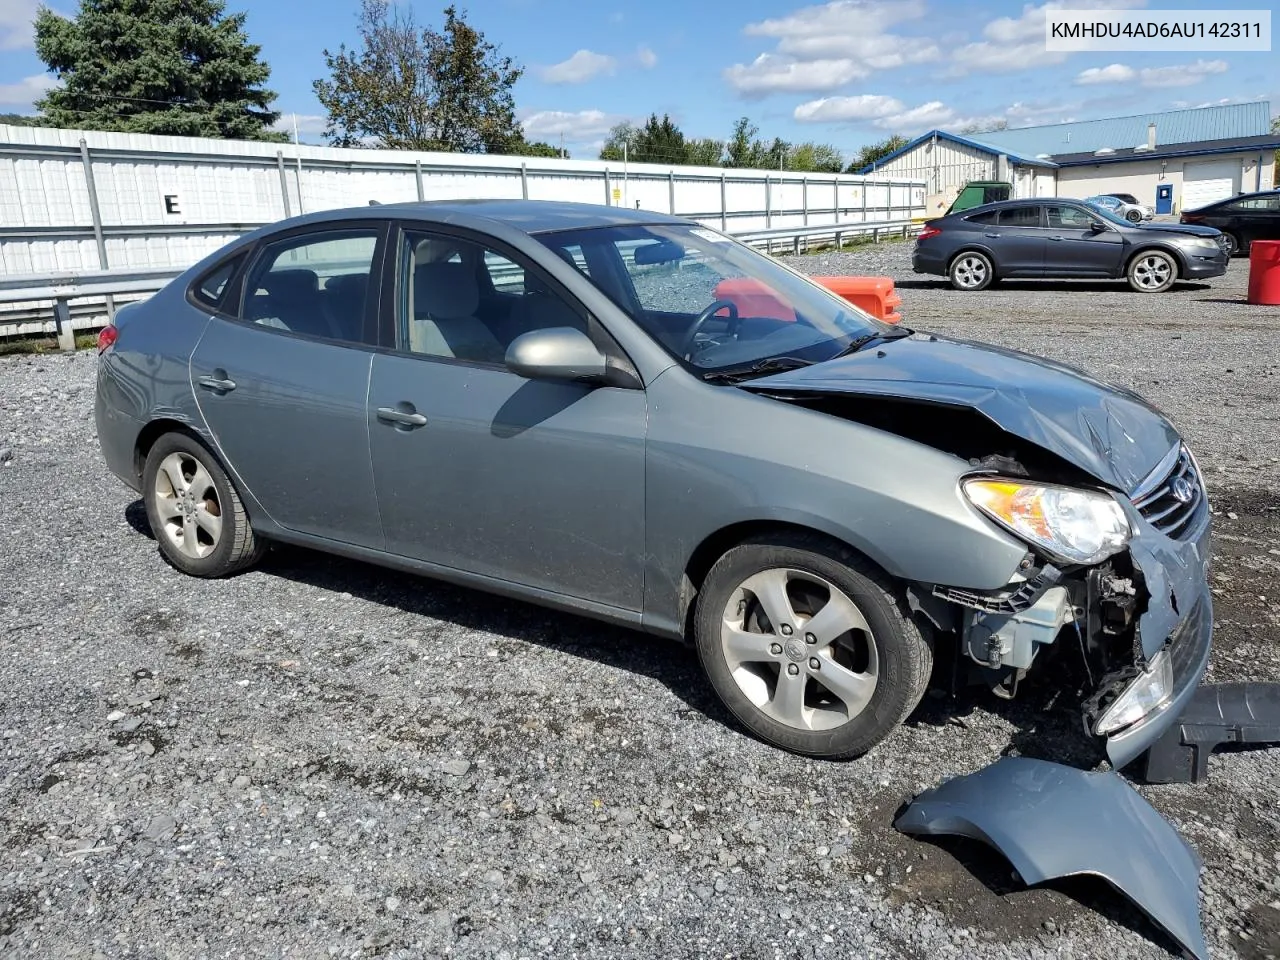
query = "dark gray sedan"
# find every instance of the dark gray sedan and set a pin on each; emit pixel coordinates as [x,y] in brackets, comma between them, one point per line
[640,419]
[1064,240]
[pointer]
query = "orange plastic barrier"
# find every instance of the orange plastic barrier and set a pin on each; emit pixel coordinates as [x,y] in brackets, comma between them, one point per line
[1264,272]
[875,295]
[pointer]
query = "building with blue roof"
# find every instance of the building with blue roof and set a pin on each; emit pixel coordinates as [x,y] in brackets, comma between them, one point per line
[1172,161]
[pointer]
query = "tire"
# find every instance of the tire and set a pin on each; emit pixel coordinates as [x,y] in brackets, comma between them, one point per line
[971,270]
[1134,216]
[1152,271]
[1233,244]
[881,663]
[194,511]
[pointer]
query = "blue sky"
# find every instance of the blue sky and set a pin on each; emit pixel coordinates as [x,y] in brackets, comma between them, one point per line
[847,72]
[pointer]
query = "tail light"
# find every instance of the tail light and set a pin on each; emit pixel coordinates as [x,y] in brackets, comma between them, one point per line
[928,232]
[107,336]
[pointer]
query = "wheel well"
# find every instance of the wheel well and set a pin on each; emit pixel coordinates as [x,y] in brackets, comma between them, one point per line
[152,432]
[720,542]
[960,253]
[1177,258]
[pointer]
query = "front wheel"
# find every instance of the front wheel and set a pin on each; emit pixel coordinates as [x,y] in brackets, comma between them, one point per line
[1231,243]
[1152,271]
[971,270]
[194,511]
[1134,216]
[806,644]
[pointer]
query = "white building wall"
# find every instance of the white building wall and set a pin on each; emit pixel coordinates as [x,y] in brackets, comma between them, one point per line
[1141,177]
[944,166]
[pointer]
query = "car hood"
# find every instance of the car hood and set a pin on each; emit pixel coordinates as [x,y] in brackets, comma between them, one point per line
[1192,229]
[1110,433]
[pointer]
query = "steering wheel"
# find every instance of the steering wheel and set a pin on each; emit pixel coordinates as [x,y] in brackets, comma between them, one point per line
[686,348]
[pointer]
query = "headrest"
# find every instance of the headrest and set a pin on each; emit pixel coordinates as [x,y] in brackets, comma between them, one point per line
[445,290]
[348,284]
[290,283]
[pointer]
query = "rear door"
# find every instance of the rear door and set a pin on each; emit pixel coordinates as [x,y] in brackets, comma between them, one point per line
[1018,241]
[1075,249]
[282,380]
[1257,218]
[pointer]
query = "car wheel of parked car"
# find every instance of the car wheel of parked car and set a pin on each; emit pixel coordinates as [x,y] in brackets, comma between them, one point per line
[194,511]
[1134,216]
[806,643]
[1152,271]
[1231,243]
[971,270]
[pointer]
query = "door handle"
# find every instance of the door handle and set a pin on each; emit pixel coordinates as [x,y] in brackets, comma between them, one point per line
[1056,238]
[991,234]
[217,384]
[401,417]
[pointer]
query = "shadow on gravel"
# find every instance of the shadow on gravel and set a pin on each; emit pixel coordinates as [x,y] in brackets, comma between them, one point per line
[1039,286]
[135,514]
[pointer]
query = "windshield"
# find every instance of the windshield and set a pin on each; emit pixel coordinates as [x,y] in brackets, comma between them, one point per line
[711,302]
[1106,214]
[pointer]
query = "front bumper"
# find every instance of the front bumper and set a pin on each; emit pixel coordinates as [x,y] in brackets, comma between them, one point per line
[1203,268]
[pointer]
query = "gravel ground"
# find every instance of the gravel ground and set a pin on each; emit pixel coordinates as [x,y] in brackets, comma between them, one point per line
[320,758]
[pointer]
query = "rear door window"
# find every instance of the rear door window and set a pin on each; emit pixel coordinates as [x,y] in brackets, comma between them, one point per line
[1020,217]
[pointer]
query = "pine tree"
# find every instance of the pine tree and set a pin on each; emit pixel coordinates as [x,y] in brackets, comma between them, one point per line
[178,67]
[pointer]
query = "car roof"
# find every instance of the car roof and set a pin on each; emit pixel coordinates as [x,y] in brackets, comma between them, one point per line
[529,216]
[1001,204]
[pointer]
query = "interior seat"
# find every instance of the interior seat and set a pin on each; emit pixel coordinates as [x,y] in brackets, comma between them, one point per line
[290,299]
[344,300]
[446,296]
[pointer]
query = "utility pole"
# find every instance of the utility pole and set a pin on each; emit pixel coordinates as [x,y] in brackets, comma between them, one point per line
[624,171]
[561,144]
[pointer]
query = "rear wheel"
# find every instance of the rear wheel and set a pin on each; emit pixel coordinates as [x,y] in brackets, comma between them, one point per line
[1152,271]
[1134,216]
[971,270]
[806,644]
[194,511]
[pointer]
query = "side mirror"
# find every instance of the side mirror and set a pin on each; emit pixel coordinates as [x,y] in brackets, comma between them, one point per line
[556,353]
[1097,226]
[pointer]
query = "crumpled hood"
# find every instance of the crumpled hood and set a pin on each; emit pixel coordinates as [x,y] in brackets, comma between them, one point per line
[1111,433]
[1195,230]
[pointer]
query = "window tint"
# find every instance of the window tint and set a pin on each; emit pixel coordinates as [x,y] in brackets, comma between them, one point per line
[1256,204]
[1069,218]
[1020,217]
[316,284]
[988,217]
[210,288]
[462,300]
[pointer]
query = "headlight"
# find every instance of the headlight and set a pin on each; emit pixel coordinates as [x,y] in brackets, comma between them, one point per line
[1078,526]
[1151,689]
[1207,242]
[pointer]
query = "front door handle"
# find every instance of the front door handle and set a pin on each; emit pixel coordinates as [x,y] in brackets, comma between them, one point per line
[217,384]
[401,418]
[991,234]
[1056,238]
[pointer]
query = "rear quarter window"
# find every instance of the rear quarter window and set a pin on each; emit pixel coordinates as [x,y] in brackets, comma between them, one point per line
[212,286]
[988,217]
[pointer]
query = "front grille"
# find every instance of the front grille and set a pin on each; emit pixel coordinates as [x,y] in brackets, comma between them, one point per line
[1174,501]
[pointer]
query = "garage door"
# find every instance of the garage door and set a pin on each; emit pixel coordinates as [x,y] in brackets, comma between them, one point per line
[1209,181]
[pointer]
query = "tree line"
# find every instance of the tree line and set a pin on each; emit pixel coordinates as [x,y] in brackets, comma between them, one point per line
[188,68]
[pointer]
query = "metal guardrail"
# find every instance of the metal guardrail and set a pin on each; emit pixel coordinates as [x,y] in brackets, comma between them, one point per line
[63,287]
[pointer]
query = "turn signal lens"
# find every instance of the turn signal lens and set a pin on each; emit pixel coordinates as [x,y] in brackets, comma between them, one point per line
[1075,526]
[107,336]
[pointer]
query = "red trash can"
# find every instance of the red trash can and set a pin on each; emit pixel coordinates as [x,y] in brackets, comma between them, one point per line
[1264,272]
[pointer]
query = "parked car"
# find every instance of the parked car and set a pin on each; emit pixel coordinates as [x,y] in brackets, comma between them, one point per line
[1133,211]
[1064,239]
[548,401]
[977,192]
[1242,219]
[1126,197]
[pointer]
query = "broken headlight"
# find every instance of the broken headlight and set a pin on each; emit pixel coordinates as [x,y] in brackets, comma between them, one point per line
[1152,688]
[1075,526]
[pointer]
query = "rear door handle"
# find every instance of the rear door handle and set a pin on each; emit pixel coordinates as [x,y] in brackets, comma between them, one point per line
[991,234]
[403,418]
[217,384]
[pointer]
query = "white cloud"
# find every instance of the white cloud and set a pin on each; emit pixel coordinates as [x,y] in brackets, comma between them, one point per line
[577,127]
[646,57]
[1181,75]
[308,123]
[821,48]
[16,19]
[1112,73]
[769,73]
[26,91]
[1018,43]
[867,106]
[581,67]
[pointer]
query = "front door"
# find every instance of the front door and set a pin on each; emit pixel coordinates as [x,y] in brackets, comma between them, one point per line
[537,483]
[1075,248]
[282,384]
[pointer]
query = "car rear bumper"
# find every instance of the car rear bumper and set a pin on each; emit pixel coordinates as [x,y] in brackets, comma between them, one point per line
[117,432]
[928,261]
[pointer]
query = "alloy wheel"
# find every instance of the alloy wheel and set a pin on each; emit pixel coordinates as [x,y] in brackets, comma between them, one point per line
[799,649]
[970,272]
[1152,272]
[186,501]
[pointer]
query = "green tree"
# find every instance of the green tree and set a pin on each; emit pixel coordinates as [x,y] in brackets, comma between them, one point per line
[659,141]
[536,148]
[420,90]
[743,149]
[814,157]
[873,152]
[178,67]
[620,134]
[20,120]
[704,151]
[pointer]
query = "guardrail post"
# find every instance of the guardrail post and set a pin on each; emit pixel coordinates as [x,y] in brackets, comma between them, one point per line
[864,201]
[96,213]
[607,201]
[724,205]
[284,183]
[768,202]
[875,234]
[62,319]
[417,175]
[839,244]
[671,191]
[804,199]
[524,180]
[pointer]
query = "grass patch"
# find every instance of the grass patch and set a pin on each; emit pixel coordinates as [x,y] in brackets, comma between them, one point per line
[27,346]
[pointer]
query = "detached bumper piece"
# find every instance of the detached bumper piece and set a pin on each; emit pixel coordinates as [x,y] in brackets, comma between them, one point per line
[1247,713]
[1054,821]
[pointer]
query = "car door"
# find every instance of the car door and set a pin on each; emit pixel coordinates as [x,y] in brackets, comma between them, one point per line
[282,380]
[1018,241]
[1080,244]
[1258,218]
[534,482]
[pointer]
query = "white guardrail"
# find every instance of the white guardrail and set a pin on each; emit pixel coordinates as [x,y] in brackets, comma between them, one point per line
[61,288]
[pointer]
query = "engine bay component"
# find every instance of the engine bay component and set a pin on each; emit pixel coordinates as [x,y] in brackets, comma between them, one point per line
[1013,639]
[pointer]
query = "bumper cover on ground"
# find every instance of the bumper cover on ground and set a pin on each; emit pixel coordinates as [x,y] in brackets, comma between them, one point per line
[1053,821]
[1245,713]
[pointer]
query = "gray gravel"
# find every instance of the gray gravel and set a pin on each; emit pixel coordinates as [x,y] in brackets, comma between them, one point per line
[320,758]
